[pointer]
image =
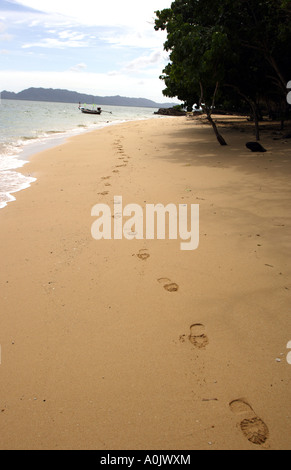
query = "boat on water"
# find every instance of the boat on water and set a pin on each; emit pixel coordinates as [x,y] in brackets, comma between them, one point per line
[92,110]
[86,110]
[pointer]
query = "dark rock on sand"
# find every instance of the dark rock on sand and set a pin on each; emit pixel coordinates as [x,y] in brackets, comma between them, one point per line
[171,112]
[255,147]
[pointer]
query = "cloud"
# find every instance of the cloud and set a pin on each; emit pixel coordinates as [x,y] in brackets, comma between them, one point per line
[144,65]
[64,39]
[33,19]
[129,37]
[108,13]
[118,24]
[55,40]
[71,35]
[34,23]
[78,68]
[143,62]
[54,43]
[4,36]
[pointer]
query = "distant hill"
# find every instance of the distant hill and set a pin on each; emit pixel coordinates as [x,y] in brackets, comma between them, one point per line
[66,96]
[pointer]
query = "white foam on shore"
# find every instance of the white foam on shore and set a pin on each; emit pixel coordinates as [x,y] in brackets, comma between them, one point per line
[12,182]
[15,156]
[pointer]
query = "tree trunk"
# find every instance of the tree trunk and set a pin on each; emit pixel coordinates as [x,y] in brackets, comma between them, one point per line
[218,135]
[253,108]
[274,64]
[256,120]
[209,112]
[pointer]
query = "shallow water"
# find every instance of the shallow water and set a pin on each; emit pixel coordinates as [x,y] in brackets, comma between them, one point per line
[27,127]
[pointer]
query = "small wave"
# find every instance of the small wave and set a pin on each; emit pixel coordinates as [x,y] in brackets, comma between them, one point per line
[28,138]
[10,162]
[54,132]
[11,182]
[4,199]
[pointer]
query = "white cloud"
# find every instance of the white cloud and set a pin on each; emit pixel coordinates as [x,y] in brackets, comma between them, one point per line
[34,23]
[53,43]
[118,37]
[4,36]
[98,12]
[64,39]
[71,35]
[143,62]
[78,67]
[127,23]
[144,66]
[146,38]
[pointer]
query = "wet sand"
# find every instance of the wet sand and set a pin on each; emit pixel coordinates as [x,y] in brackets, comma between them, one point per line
[97,351]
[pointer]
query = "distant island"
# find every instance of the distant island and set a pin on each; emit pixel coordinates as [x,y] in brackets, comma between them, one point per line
[66,96]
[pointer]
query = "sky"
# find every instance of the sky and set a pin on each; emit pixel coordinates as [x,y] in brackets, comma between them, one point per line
[99,47]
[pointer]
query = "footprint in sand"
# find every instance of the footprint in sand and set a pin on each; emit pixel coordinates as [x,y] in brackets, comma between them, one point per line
[252,427]
[119,147]
[143,255]
[118,144]
[106,177]
[104,193]
[197,336]
[168,284]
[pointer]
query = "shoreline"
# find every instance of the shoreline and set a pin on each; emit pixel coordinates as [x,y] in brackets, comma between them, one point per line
[41,144]
[96,352]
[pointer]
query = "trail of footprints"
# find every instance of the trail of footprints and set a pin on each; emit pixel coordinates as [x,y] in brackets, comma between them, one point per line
[105,179]
[168,285]
[252,427]
[124,157]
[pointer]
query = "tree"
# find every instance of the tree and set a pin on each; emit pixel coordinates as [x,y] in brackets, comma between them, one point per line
[227,47]
[197,53]
[260,34]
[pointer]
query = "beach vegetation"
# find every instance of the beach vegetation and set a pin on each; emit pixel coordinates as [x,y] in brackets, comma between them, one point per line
[229,54]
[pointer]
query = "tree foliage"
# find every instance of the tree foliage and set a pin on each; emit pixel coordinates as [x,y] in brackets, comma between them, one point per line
[228,51]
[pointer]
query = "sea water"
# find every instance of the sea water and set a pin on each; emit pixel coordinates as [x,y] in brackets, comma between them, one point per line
[28,127]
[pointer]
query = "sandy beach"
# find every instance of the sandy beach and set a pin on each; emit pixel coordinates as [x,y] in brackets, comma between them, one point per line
[96,353]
